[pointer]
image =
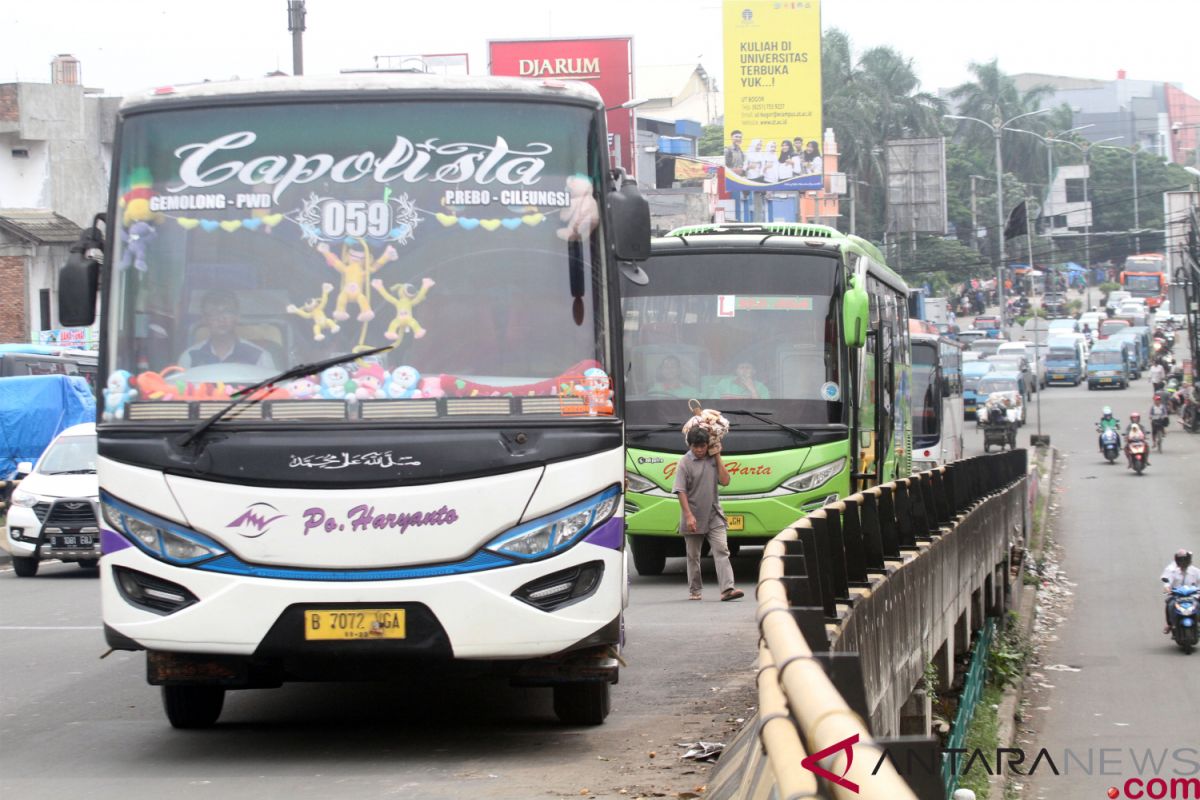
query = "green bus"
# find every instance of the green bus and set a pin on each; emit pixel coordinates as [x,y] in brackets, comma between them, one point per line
[799,335]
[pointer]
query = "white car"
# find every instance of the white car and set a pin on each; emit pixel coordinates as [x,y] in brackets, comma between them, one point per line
[52,512]
[1036,356]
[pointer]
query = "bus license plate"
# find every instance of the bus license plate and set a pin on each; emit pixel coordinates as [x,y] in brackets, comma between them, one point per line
[735,522]
[354,623]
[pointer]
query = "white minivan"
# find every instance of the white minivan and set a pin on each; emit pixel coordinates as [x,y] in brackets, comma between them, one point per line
[1031,354]
[52,512]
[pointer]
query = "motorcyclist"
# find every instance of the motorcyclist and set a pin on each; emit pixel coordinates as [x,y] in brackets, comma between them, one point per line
[1087,332]
[1179,572]
[1134,433]
[1107,422]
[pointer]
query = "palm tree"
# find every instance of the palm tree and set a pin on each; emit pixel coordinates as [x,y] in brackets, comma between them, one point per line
[867,103]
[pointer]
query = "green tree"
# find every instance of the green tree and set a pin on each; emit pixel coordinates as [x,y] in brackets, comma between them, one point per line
[867,102]
[712,141]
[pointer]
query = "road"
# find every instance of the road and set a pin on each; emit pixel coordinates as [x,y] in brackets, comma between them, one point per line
[1109,680]
[78,726]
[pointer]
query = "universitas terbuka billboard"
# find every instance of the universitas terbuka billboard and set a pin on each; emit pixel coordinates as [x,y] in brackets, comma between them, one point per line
[605,63]
[773,95]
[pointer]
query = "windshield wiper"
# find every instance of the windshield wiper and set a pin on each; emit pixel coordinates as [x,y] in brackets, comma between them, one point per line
[91,471]
[665,427]
[249,394]
[801,435]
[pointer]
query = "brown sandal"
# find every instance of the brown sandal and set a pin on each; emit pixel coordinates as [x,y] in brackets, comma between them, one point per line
[732,594]
[693,597]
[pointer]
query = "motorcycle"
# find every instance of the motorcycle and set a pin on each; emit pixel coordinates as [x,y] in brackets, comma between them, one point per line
[1110,443]
[1136,448]
[1184,601]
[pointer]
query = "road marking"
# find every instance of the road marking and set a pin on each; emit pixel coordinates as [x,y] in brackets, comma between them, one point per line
[51,628]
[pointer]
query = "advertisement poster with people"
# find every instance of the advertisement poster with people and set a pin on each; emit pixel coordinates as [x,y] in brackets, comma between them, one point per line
[773,95]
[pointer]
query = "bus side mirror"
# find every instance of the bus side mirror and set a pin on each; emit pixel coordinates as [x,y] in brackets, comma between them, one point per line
[855,308]
[79,279]
[629,216]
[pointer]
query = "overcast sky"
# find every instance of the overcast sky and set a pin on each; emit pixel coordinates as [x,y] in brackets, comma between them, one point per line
[131,44]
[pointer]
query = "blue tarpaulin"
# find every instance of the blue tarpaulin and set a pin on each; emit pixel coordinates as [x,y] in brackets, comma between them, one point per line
[36,408]
[1073,267]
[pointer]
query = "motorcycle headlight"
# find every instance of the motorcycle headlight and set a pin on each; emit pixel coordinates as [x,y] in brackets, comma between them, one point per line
[24,499]
[636,483]
[807,481]
[159,538]
[556,532]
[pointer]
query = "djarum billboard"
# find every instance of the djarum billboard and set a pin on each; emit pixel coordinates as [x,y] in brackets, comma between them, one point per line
[773,95]
[605,63]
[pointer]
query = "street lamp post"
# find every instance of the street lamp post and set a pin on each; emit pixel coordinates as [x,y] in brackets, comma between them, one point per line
[996,126]
[1137,223]
[1049,205]
[1086,148]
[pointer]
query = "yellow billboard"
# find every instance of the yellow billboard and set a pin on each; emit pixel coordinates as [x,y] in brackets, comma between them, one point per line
[773,95]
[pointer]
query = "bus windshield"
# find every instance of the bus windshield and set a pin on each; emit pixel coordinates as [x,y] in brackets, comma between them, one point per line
[1105,357]
[754,331]
[926,394]
[261,237]
[1143,285]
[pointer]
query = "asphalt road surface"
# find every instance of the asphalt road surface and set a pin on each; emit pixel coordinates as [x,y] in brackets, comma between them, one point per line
[77,726]
[1111,687]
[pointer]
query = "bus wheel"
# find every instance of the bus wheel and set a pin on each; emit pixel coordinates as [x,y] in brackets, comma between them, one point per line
[193,706]
[89,563]
[581,703]
[648,555]
[24,566]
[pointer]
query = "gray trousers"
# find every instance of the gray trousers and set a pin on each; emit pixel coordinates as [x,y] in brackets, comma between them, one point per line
[719,546]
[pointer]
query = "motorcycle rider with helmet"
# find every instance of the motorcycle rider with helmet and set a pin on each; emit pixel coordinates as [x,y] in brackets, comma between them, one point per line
[1107,422]
[1178,573]
[1133,433]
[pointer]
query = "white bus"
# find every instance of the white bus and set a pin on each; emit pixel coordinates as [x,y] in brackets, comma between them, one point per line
[937,401]
[360,408]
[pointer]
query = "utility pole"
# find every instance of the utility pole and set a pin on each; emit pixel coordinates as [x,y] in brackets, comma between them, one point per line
[296,26]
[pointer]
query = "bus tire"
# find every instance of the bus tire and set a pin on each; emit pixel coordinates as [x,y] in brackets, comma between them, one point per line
[581,703]
[191,707]
[649,557]
[89,563]
[25,566]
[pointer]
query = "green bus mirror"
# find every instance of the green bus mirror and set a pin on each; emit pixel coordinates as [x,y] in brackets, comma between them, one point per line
[855,308]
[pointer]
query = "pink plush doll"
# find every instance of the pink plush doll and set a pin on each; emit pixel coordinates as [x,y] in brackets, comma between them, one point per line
[583,214]
[369,381]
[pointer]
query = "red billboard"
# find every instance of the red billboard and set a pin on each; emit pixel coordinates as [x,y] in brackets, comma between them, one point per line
[606,64]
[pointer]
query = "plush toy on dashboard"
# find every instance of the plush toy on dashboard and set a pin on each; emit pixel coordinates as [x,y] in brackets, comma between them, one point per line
[117,393]
[710,421]
[403,383]
[356,266]
[404,299]
[135,239]
[314,309]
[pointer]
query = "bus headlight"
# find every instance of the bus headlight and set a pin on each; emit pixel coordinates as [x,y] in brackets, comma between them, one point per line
[807,481]
[159,538]
[636,483]
[558,531]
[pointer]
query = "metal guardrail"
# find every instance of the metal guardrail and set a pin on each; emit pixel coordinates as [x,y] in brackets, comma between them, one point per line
[835,582]
[972,691]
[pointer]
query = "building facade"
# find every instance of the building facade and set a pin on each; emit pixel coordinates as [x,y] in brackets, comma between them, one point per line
[56,143]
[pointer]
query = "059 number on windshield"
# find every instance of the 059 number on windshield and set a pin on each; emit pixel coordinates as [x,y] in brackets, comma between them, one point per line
[355,218]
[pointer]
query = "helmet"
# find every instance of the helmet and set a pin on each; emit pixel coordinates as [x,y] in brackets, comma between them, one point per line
[1158,398]
[1107,412]
[1183,559]
[1136,416]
